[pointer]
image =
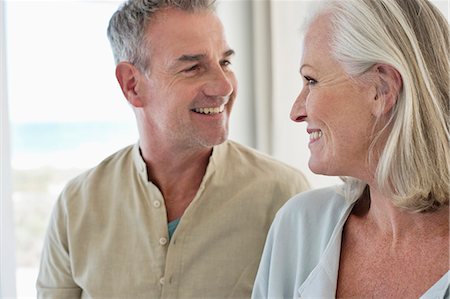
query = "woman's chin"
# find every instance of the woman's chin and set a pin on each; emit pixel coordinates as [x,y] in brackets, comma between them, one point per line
[320,168]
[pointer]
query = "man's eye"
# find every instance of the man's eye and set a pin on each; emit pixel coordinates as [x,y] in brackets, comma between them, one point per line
[310,81]
[192,68]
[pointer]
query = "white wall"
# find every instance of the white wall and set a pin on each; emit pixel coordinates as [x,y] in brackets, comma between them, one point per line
[236,17]
[7,257]
[247,26]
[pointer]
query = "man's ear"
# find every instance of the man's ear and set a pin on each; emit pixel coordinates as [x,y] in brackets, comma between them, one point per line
[128,76]
[389,84]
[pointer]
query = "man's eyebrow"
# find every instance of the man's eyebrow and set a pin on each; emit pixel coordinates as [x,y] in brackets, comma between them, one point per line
[198,57]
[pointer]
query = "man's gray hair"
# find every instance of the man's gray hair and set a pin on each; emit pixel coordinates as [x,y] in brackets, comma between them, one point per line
[127,27]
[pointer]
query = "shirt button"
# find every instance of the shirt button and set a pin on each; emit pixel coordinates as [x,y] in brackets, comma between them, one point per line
[163,241]
[161,280]
[156,204]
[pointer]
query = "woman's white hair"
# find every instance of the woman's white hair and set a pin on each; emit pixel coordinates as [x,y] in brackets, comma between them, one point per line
[413,37]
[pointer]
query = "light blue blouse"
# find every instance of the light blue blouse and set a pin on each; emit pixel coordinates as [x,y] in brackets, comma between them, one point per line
[301,255]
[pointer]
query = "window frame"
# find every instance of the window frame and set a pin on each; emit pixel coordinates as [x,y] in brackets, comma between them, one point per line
[7,239]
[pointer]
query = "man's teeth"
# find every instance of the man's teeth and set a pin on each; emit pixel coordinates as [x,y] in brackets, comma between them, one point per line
[212,110]
[315,135]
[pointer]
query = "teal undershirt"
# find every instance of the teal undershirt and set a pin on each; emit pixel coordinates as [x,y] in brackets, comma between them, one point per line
[172,226]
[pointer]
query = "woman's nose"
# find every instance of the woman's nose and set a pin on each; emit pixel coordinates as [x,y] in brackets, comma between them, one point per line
[298,111]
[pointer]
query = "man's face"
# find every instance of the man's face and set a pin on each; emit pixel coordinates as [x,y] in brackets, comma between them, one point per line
[190,89]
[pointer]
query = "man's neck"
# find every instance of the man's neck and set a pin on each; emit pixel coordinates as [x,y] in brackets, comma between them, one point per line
[177,174]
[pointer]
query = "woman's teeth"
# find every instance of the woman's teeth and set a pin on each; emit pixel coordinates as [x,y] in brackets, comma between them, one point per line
[315,135]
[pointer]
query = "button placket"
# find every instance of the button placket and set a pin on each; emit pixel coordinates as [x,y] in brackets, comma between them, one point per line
[163,241]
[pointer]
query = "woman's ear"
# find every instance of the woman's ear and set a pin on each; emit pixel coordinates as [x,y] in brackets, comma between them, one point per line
[389,84]
[128,76]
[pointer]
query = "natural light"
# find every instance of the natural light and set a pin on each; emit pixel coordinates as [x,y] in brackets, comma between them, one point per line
[67,112]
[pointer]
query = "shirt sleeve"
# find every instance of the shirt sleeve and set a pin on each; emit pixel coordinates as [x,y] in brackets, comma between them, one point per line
[55,279]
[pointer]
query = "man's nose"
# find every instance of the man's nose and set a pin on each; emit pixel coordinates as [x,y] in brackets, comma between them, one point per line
[219,83]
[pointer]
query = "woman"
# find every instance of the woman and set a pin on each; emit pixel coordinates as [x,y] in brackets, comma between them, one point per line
[376,103]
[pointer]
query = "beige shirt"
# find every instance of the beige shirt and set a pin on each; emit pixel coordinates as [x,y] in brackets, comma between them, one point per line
[108,234]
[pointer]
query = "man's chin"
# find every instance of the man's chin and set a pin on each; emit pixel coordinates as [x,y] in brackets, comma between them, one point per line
[213,141]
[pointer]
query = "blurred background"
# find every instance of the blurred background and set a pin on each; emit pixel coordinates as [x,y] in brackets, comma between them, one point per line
[62,111]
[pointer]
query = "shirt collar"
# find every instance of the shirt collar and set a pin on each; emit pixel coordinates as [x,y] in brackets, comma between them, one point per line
[217,157]
[440,289]
[322,281]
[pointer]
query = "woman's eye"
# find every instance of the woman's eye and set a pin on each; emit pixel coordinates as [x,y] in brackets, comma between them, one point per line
[310,81]
[226,63]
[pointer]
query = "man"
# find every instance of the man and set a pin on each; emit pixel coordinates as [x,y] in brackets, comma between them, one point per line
[184,213]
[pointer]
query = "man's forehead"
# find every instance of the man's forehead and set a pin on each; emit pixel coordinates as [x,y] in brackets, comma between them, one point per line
[193,32]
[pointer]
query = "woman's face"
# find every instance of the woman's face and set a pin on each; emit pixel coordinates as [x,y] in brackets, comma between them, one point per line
[336,108]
